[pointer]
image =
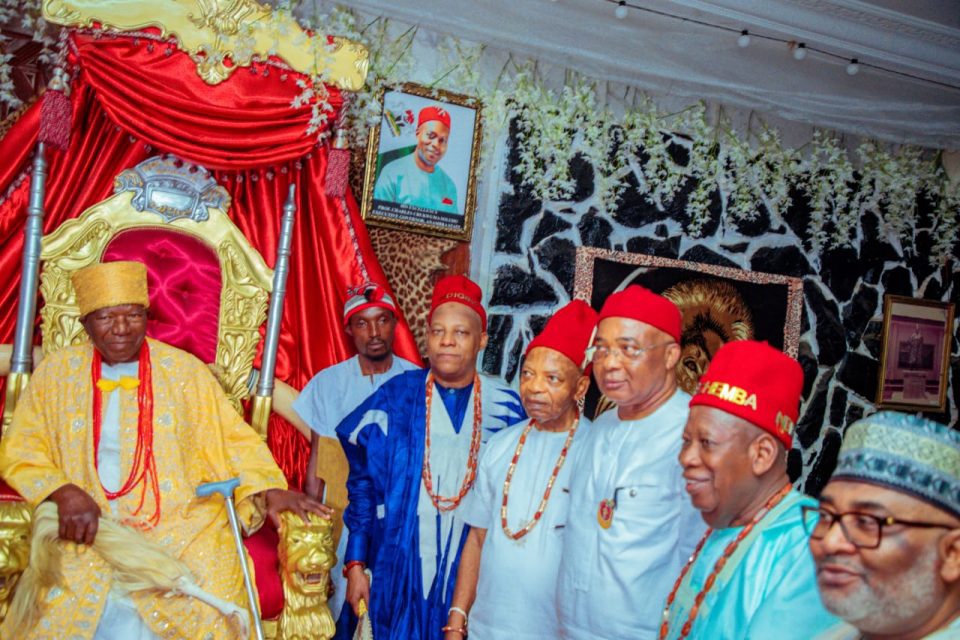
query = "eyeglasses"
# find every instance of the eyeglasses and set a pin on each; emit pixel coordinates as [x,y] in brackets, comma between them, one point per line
[626,353]
[862,530]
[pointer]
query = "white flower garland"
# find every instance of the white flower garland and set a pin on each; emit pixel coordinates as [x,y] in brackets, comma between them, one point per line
[553,126]
[643,146]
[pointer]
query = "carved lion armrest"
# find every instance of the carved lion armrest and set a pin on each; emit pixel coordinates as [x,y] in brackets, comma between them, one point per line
[307,553]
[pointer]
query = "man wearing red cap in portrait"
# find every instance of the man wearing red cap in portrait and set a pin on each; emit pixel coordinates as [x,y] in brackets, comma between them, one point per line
[415,179]
[508,573]
[413,448]
[370,319]
[629,528]
[752,575]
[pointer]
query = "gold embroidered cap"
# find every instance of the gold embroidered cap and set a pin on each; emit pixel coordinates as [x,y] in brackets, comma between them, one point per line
[110,284]
[904,452]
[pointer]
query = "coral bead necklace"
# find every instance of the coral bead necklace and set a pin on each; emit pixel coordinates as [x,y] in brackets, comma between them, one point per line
[143,469]
[449,503]
[516,535]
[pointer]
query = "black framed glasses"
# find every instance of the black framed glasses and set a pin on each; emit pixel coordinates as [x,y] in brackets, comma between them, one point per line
[862,530]
[624,353]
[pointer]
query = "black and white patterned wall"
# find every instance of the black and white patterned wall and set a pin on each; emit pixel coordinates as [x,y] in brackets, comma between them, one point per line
[532,274]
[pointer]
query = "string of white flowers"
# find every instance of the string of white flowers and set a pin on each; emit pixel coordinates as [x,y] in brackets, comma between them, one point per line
[746,174]
[733,174]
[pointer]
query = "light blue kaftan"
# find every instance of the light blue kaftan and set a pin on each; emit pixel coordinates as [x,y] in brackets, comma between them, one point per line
[403,182]
[768,588]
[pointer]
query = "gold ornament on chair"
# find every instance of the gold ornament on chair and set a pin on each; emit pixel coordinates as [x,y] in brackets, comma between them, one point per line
[150,195]
[222,36]
[14,548]
[307,554]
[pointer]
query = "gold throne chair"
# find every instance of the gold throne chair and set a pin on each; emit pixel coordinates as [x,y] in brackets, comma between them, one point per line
[210,293]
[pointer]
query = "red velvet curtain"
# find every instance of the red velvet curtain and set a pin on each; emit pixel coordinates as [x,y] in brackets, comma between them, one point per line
[137,97]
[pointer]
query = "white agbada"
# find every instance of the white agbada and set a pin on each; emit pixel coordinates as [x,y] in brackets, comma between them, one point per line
[120,618]
[614,582]
[440,531]
[327,399]
[339,389]
[846,631]
[517,584]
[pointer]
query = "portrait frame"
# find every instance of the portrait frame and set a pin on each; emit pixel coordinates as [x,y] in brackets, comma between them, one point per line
[915,354]
[395,139]
[773,304]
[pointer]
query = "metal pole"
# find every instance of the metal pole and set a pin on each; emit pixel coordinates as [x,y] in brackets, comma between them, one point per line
[280,272]
[226,489]
[247,578]
[22,359]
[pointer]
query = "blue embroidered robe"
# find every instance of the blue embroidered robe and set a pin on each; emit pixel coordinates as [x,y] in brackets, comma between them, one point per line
[383,440]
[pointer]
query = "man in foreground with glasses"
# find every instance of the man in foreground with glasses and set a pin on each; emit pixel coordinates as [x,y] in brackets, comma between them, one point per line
[629,529]
[753,569]
[886,537]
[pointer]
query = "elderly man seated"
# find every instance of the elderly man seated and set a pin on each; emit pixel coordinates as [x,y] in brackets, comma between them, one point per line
[128,427]
[886,536]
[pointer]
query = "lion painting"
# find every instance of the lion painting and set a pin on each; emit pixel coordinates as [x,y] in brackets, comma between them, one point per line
[714,313]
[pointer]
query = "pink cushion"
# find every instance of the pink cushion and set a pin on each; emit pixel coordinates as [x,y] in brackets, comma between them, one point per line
[262,547]
[184,281]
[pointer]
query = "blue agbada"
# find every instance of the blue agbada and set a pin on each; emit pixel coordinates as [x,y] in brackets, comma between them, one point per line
[383,440]
[767,589]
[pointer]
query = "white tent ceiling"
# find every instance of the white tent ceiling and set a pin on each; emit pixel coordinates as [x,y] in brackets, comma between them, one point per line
[682,59]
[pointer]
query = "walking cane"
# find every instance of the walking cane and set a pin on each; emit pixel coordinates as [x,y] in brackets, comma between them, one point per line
[226,488]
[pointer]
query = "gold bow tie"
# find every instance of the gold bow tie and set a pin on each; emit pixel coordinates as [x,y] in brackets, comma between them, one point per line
[125,382]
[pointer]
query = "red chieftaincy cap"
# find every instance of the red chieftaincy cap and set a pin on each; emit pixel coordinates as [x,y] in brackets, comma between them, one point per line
[458,289]
[433,113]
[637,303]
[569,332]
[756,382]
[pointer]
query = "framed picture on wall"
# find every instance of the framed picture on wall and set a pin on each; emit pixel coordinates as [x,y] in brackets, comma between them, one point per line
[717,304]
[915,354]
[422,162]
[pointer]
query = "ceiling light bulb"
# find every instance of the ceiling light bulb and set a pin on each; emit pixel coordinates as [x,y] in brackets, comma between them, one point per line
[621,10]
[744,39]
[800,51]
[854,67]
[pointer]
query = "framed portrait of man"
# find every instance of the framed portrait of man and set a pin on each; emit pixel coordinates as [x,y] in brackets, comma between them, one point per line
[915,354]
[422,162]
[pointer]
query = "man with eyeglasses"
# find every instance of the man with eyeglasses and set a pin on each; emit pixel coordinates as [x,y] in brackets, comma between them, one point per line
[886,537]
[752,570]
[629,528]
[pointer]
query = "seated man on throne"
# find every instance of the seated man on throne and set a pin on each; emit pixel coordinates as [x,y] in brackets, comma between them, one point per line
[127,428]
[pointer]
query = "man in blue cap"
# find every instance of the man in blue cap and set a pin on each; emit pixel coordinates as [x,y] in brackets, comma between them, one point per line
[886,536]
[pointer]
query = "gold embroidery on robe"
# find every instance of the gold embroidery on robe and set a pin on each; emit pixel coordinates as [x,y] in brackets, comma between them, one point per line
[198,437]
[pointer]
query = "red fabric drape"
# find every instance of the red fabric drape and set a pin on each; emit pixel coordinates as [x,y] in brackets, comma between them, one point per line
[131,100]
